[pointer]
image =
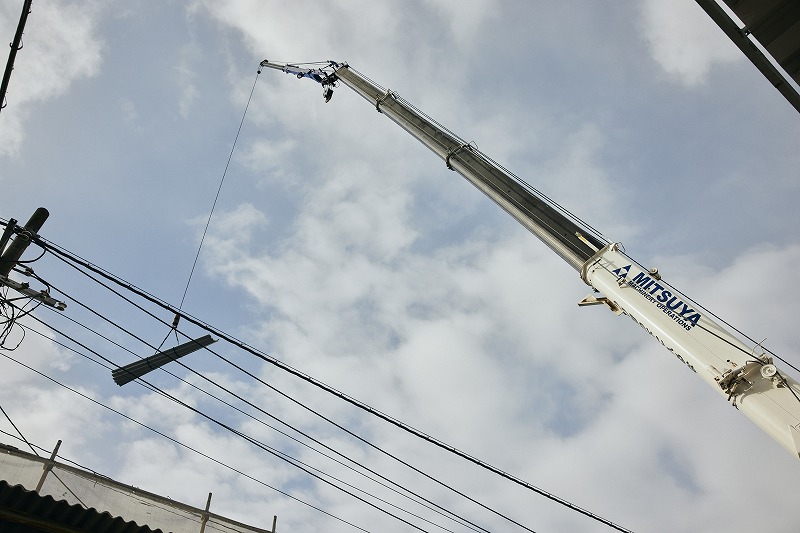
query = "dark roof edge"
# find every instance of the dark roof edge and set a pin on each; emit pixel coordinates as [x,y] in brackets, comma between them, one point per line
[27,508]
[776,77]
[11,450]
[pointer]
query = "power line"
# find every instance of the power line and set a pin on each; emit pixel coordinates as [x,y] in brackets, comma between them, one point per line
[179,443]
[21,436]
[231,363]
[42,448]
[302,405]
[71,258]
[280,455]
[283,394]
[431,504]
[26,441]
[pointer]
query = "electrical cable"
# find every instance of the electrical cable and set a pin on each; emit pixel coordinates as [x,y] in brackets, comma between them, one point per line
[69,258]
[179,443]
[430,504]
[99,315]
[72,260]
[13,313]
[64,459]
[18,431]
[283,394]
[294,462]
[264,447]
[325,418]
[280,455]
[231,363]
[26,441]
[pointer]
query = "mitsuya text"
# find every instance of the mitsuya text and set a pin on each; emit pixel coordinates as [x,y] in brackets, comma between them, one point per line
[668,301]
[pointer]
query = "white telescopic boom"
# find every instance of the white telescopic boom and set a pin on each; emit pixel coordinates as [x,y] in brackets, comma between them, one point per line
[748,379]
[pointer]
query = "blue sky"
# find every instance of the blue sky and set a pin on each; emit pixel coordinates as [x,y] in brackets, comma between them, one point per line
[342,247]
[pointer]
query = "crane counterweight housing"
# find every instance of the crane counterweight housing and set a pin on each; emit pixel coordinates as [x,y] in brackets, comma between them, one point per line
[746,377]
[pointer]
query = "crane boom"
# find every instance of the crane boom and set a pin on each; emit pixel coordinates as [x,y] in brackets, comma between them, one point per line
[746,376]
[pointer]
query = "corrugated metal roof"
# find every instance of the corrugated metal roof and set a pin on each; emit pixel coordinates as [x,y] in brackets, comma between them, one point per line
[775,25]
[25,511]
[76,485]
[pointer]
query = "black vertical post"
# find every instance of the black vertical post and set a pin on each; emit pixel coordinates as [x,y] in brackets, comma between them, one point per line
[15,46]
[22,240]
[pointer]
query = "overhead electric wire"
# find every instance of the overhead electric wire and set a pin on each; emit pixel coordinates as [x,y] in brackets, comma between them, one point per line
[12,313]
[302,405]
[281,455]
[26,441]
[443,511]
[70,258]
[179,443]
[294,462]
[21,436]
[453,515]
[427,502]
[415,469]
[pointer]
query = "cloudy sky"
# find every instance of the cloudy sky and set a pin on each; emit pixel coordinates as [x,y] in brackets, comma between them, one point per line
[341,247]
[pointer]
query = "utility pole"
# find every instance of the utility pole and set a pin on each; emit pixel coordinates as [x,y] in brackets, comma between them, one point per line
[11,255]
[20,243]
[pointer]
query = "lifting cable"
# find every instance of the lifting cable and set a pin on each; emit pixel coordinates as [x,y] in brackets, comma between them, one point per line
[210,214]
[216,198]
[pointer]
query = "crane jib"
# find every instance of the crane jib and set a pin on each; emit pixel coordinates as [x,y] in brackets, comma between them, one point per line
[573,242]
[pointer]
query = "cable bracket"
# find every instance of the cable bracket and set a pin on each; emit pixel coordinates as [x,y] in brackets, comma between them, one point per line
[42,295]
[454,151]
[382,99]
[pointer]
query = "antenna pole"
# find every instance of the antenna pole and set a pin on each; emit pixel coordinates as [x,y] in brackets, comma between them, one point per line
[15,46]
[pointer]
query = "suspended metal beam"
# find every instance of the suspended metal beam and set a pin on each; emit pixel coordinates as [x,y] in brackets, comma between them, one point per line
[138,369]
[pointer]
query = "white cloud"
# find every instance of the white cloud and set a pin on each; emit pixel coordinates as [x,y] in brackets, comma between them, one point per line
[129,111]
[389,278]
[684,40]
[185,74]
[486,333]
[36,350]
[463,22]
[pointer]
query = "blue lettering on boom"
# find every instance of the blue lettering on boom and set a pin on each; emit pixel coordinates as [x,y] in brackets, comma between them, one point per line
[668,302]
